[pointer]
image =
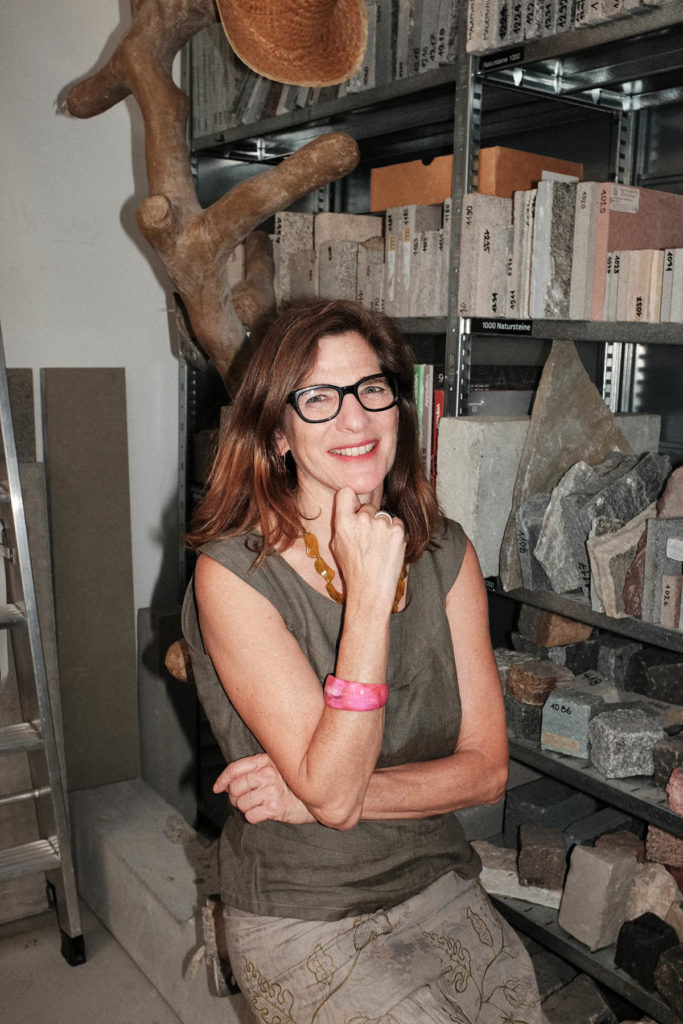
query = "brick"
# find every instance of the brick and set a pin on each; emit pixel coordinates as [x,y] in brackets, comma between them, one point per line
[669,978]
[550,630]
[623,839]
[640,944]
[593,906]
[621,742]
[674,791]
[664,847]
[654,889]
[532,681]
[667,754]
[579,1001]
[564,721]
[499,876]
[542,859]
[544,802]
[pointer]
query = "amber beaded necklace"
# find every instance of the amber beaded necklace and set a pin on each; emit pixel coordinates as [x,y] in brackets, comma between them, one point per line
[323,569]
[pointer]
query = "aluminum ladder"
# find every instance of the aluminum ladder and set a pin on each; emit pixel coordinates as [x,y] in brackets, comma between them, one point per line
[35,735]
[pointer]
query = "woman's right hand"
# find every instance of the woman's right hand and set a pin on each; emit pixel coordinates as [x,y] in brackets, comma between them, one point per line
[369,551]
[255,786]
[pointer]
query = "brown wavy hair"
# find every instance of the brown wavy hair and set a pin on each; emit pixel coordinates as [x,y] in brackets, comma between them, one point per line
[252,488]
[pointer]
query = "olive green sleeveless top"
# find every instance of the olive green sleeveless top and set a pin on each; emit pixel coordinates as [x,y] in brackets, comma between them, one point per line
[312,871]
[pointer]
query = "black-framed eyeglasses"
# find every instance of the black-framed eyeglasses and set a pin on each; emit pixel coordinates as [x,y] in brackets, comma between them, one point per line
[322,402]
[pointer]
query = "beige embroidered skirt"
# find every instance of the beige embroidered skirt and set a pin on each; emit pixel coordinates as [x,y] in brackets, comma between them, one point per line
[443,956]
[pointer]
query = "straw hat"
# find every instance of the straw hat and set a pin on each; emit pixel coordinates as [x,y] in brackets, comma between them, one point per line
[297,42]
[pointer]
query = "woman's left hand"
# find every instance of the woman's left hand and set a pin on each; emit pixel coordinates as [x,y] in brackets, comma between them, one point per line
[255,786]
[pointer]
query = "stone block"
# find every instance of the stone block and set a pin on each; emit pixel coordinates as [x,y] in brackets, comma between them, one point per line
[674,791]
[532,681]
[670,607]
[579,1002]
[528,523]
[614,655]
[476,468]
[675,918]
[564,721]
[593,906]
[640,944]
[586,831]
[623,839]
[554,549]
[663,847]
[654,889]
[482,822]
[523,720]
[505,659]
[552,972]
[667,754]
[542,859]
[669,978]
[550,630]
[145,873]
[621,742]
[499,876]
[658,564]
[578,658]
[656,673]
[593,683]
[544,802]
[611,556]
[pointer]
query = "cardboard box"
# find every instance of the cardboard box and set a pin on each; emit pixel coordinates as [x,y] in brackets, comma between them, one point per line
[501,172]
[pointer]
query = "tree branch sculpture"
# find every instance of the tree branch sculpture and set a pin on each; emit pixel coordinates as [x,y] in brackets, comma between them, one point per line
[194,243]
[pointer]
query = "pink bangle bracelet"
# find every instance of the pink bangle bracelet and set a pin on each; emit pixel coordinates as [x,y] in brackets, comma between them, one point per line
[347,696]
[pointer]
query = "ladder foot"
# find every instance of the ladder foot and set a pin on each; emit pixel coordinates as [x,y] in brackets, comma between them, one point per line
[73,949]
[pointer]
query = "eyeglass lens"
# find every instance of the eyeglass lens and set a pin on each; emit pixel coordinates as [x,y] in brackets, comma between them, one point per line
[323,402]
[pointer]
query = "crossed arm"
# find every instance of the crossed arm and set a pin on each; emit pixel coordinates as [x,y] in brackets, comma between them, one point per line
[320,763]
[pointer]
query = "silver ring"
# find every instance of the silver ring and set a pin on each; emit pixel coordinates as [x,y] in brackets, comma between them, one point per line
[385,514]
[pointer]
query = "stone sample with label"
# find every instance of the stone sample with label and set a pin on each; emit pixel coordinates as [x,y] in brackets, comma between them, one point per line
[532,681]
[611,556]
[569,422]
[625,840]
[657,673]
[674,791]
[593,906]
[528,521]
[669,978]
[654,889]
[614,656]
[664,847]
[669,506]
[621,742]
[596,685]
[667,754]
[564,721]
[579,1002]
[658,564]
[544,801]
[640,944]
[542,859]
[499,876]
[554,550]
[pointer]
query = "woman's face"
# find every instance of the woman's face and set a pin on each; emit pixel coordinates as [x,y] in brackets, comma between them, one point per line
[355,449]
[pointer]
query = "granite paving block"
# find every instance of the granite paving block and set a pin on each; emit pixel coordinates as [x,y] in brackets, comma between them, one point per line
[621,742]
[523,720]
[552,972]
[654,889]
[550,630]
[579,1002]
[532,681]
[675,918]
[614,655]
[669,977]
[640,944]
[656,673]
[564,721]
[611,556]
[542,858]
[499,876]
[544,801]
[667,754]
[674,791]
[578,658]
[528,521]
[587,830]
[593,906]
[664,847]
[623,839]
[658,564]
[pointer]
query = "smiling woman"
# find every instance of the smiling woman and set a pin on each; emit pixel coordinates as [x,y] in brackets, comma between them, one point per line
[338,627]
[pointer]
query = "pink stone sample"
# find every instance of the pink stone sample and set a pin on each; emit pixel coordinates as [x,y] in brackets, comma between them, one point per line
[664,847]
[674,790]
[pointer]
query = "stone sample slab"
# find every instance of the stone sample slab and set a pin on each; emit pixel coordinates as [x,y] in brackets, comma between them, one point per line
[670,608]
[621,742]
[499,877]
[549,629]
[664,847]
[669,978]
[667,754]
[544,802]
[593,906]
[542,859]
[532,681]
[579,1002]
[528,522]
[658,563]
[654,889]
[611,556]
[564,721]
[640,944]
[569,422]
[614,655]
[623,839]
[674,791]
[586,831]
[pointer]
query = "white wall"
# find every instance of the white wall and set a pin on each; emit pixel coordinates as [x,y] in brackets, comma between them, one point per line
[79,287]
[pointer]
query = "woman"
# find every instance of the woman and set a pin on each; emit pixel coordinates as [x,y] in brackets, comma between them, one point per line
[339,636]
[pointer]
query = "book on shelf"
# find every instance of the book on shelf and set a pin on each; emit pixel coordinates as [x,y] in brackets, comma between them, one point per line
[551,251]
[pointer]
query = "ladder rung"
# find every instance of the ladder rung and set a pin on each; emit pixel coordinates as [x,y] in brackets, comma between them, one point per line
[22,736]
[41,855]
[11,615]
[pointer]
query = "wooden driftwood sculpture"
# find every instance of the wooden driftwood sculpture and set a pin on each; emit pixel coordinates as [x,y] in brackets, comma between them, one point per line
[194,243]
